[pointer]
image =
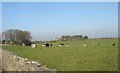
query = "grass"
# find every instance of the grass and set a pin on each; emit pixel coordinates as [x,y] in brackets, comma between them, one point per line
[76,57]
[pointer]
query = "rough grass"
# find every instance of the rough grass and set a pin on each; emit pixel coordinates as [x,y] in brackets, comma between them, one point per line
[76,57]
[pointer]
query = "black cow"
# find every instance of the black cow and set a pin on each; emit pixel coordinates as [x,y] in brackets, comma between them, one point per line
[47,45]
[113,44]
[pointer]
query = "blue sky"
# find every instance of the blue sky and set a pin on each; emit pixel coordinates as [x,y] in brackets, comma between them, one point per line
[0,18]
[59,0]
[48,20]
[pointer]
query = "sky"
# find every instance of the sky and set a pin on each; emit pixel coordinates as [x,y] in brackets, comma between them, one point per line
[49,20]
[0,18]
[59,0]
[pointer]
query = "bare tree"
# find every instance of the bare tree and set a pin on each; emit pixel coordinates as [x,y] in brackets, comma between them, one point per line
[16,35]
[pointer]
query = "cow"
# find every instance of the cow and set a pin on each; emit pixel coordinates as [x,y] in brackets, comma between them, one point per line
[51,45]
[43,45]
[33,45]
[84,45]
[61,44]
[23,44]
[113,44]
[47,45]
[67,45]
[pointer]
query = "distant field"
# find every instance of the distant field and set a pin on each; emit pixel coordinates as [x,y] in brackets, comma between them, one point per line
[76,57]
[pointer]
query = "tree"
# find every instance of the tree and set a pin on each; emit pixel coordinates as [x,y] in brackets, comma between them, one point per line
[77,37]
[67,37]
[85,37]
[17,36]
[74,38]
[3,41]
[27,42]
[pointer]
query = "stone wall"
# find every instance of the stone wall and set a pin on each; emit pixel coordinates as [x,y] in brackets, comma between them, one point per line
[12,62]
[0,59]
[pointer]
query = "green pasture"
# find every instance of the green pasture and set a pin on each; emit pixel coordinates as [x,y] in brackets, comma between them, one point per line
[76,57]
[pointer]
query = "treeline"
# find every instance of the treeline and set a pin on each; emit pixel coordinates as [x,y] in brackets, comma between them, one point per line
[73,38]
[15,36]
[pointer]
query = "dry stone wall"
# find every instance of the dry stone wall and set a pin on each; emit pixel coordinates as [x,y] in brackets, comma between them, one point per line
[12,62]
[0,59]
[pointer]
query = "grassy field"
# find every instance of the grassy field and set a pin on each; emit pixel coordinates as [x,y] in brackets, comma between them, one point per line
[76,57]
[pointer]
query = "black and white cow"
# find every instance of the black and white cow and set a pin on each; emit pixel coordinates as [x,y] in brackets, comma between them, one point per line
[61,44]
[51,45]
[67,45]
[47,45]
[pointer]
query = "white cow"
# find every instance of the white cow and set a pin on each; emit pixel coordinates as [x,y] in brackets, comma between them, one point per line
[43,45]
[23,44]
[67,45]
[84,45]
[33,45]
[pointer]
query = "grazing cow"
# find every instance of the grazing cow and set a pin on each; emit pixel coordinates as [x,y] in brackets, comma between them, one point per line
[84,45]
[61,44]
[51,45]
[67,45]
[23,44]
[33,45]
[43,45]
[11,42]
[47,45]
[5,42]
[113,44]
